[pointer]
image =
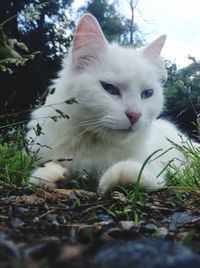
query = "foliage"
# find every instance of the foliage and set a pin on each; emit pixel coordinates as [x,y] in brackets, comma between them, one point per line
[182,94]
[182,88]
[40,24]
[43,26]
[8,53]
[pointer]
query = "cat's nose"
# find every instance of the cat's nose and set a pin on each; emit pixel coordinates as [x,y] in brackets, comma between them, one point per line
[133,117]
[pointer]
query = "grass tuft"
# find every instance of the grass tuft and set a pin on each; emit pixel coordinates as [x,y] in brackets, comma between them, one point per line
[187,175]
[15,163]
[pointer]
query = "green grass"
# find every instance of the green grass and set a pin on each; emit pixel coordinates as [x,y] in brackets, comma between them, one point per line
[187,175]
[16,160]
[87,180]
[16,163]
[127,205]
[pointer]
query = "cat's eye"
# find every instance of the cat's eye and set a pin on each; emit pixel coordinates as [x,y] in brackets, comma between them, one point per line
[111,89]
[147,93]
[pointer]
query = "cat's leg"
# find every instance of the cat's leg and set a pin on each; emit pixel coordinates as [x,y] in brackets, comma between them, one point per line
[125,173]
[49,175]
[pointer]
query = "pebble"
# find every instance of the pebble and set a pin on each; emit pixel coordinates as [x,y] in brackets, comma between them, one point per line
[177,219]
[8,249]
[52,218]
[162,232]
[151,253]
[104,217]
[23,210]
[17,223]
[149,227]
[127,225]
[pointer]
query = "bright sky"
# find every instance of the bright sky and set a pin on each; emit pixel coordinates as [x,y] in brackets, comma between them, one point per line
[179,19]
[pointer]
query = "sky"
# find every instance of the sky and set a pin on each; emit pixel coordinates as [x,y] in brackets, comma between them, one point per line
[179,19]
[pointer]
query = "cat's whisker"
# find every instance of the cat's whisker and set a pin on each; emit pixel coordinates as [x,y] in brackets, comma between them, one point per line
[90,129]
[111,123]
[87,122]
[96,132]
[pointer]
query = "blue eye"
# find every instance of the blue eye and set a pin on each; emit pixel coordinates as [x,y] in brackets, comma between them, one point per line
[111,89]
[147,93]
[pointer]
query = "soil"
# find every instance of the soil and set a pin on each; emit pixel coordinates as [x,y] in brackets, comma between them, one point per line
[78,228]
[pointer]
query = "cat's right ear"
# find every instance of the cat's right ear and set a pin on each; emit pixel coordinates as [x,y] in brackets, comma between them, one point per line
[88,41]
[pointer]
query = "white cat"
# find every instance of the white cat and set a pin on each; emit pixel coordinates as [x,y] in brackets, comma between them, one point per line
[113,127]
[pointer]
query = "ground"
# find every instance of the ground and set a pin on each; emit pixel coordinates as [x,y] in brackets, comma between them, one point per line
[73,228]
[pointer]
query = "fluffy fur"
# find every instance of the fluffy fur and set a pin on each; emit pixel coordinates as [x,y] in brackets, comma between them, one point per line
[101,133]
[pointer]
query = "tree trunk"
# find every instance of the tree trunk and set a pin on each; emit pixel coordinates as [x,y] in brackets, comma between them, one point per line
[132,6]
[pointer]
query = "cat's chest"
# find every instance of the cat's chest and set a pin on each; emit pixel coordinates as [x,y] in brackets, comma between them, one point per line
[100,158]
[99,162]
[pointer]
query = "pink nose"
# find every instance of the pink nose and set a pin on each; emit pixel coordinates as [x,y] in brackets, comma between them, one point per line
[133,117]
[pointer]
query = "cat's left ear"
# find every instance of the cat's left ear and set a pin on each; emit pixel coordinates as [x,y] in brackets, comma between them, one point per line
[152,53]
[88,41]
[153,50]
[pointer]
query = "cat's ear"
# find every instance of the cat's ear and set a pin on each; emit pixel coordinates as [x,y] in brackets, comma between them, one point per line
[88,41]
[152,53]
[153,50]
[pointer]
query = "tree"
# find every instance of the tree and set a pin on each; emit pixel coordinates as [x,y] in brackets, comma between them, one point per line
[182,95]
[136,38]
[133,28]
[43,27]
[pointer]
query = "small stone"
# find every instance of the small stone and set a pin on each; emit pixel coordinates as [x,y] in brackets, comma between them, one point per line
[149,227]
[162,232]
[178,219]
[99,225]
[8,248]
[23,210]
[127,225]
[36,220]
[62,219]
[52,218]
[104,217]
[17,223]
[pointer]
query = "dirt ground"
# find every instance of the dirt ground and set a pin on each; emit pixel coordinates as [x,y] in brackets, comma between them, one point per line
[68,228]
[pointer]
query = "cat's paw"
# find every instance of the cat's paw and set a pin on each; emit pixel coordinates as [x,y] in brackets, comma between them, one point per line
[125,173]
[49,175]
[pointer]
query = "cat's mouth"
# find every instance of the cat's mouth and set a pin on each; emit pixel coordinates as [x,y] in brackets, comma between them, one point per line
[126,130]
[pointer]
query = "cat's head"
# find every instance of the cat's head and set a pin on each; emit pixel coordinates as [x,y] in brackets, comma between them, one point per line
[118,89]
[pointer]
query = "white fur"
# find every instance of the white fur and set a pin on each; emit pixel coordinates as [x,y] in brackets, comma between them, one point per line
[96,134]
[47,175]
